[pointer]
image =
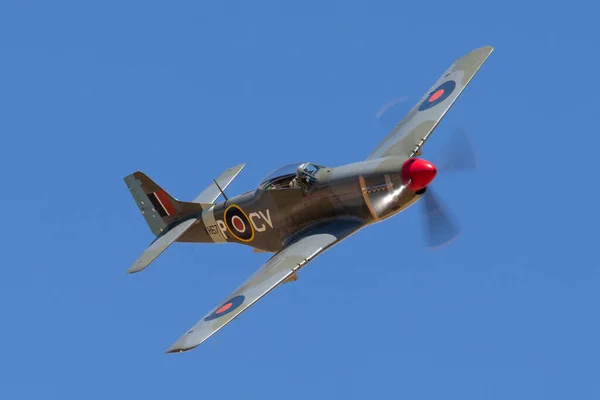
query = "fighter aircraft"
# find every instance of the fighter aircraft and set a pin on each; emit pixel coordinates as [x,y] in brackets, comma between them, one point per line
[302,209]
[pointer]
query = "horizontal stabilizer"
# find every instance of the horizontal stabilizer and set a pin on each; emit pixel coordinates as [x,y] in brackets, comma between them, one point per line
[212,192]
[160,245]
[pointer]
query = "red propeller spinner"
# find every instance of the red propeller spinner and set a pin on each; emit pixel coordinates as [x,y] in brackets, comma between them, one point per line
[418,172]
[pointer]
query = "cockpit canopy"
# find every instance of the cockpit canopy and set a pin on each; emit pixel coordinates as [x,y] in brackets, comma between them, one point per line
[290,176]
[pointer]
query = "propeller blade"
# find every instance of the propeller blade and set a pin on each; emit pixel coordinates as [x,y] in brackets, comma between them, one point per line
[458,154]
[440,227]
[392,113]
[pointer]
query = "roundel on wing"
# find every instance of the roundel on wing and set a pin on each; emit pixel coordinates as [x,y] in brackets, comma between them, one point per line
[226,307]
[438,95]
[238,223]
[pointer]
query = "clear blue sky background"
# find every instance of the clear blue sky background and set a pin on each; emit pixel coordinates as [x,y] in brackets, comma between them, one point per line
[183,90]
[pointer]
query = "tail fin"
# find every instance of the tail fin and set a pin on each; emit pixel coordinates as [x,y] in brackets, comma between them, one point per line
[158,207]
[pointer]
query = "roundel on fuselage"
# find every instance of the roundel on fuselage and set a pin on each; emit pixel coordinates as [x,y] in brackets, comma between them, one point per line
[238,223]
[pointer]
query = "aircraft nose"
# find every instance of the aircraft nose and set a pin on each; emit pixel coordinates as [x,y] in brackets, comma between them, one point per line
[419,172]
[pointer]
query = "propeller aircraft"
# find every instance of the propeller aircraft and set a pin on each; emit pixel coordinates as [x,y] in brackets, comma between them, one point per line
[300,210]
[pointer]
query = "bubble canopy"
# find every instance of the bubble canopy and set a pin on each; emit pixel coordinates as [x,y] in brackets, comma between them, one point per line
[282,176]
[283,173]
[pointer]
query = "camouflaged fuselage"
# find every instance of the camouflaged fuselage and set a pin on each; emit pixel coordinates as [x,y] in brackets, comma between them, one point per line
[263,219]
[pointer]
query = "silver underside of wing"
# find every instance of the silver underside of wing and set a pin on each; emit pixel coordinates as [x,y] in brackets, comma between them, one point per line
[280,268]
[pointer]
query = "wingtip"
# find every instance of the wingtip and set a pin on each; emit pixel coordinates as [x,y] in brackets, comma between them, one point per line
[482,52]
[139,265]
[134,269]
[489,49]
[185,343]
[175,349]
[484,49]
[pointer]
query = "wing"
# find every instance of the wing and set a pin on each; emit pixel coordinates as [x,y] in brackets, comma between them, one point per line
[407,138]
[300,250]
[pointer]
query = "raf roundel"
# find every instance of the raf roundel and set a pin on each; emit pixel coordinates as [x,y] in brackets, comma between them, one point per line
[226,307]
[438,95]
[238,223]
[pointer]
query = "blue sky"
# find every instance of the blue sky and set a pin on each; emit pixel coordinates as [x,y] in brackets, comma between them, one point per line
[92,92]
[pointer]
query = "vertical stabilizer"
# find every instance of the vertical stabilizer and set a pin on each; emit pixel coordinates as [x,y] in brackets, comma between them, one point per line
[157,206]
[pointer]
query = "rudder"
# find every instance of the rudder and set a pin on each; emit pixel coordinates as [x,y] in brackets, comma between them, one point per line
[157,206]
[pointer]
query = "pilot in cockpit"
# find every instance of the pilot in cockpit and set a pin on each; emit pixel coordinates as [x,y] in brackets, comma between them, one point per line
[294,183]
[304,176]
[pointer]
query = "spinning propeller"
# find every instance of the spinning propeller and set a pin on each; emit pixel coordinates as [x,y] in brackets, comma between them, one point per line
[458,155]
[441,227]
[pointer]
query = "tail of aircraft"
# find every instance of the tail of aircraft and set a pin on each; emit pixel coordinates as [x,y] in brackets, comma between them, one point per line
[167,217]
[158,207]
